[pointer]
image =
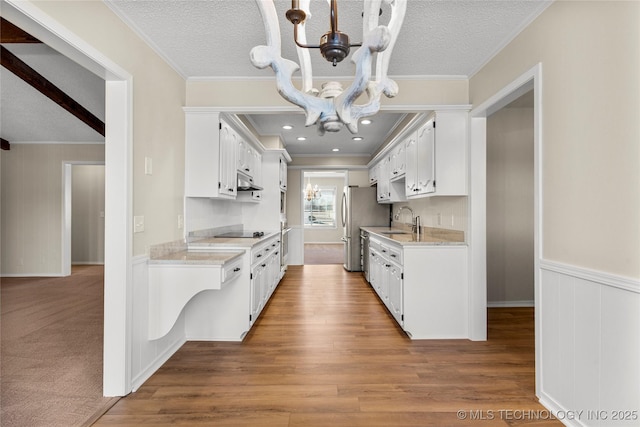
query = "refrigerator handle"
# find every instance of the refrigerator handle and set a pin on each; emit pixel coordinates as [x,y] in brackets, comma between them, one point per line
[343,209]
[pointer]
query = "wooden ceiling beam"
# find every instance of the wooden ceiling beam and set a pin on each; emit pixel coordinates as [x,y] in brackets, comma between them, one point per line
[4,144]
[39,82]
[9,33]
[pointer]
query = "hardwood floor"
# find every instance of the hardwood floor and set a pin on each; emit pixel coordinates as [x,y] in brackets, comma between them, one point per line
[326,352]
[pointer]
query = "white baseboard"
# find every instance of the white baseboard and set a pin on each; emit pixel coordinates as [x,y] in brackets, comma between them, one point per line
[157,363]
[505,304]
[87,263]
[33,275]
[324,243]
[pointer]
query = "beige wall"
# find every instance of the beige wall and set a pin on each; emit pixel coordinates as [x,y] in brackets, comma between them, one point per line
[510,243]
[590,55]
[31,205]
[87,214]
[158,119]
[448,212]
[262,93]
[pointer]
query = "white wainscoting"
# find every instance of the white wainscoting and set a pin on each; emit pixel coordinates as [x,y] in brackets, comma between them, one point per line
[148,356]
[296,245]
[589,346]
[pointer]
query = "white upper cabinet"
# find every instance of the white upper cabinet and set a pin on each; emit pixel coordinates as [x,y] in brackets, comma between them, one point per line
[283,174]
[216,148]
[429,158]
[228,176]
[247,159]
[398,161]
[420,177]
[450,140]
[388,190]
[374,171]
[209,156]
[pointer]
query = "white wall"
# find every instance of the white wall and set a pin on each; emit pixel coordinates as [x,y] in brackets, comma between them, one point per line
[31,210]
[510,245]
[87,214]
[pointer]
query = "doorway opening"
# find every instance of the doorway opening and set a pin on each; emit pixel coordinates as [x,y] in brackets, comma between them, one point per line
[118,183]
[83,214]
[320,207]
[528,84]
[510,184]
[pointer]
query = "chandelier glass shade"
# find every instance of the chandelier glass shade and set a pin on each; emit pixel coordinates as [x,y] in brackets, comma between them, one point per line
[332,107]
[311,193]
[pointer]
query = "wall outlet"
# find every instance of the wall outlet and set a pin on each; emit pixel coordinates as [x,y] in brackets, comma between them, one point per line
[138,224]
[180,222]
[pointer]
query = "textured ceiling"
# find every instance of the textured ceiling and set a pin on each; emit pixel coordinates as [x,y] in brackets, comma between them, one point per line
[28,116]
[212,39]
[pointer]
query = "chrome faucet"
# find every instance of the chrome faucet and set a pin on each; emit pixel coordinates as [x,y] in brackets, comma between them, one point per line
[414,225]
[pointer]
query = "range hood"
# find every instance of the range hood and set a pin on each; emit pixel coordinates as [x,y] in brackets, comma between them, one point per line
[245,183]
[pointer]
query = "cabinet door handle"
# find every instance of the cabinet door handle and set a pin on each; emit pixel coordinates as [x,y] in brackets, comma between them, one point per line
[263,265]
[259,255]
[393,255]
[235,270]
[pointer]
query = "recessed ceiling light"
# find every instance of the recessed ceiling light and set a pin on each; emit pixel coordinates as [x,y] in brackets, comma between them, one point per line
[302,138]
[287,127]
[366,122]
[336,149]
[357,138]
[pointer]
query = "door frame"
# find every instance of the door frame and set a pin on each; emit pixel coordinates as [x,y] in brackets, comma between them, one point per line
[530,80]
[118,183]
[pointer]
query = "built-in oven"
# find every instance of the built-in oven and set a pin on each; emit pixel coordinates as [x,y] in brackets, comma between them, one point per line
[284,245]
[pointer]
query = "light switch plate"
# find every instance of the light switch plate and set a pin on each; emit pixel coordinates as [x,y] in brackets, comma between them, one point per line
[148,166]
[138,224]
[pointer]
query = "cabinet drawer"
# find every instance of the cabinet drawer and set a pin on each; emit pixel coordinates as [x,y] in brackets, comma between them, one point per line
[394,254]
[231,270]
[262,252]
[258,255]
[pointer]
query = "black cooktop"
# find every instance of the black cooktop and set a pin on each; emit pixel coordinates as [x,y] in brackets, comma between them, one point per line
[242,234]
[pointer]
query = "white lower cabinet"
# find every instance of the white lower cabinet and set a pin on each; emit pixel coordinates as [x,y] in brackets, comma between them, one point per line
[395,292]
[424,287]
[228,314]
[265,275]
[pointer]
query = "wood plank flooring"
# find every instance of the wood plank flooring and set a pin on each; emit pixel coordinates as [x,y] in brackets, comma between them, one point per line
[325,352]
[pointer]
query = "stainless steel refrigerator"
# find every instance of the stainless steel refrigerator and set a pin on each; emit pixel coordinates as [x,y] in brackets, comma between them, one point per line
[360,208]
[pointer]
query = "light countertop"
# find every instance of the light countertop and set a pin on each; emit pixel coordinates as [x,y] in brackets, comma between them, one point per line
[429,236]
[186,257]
